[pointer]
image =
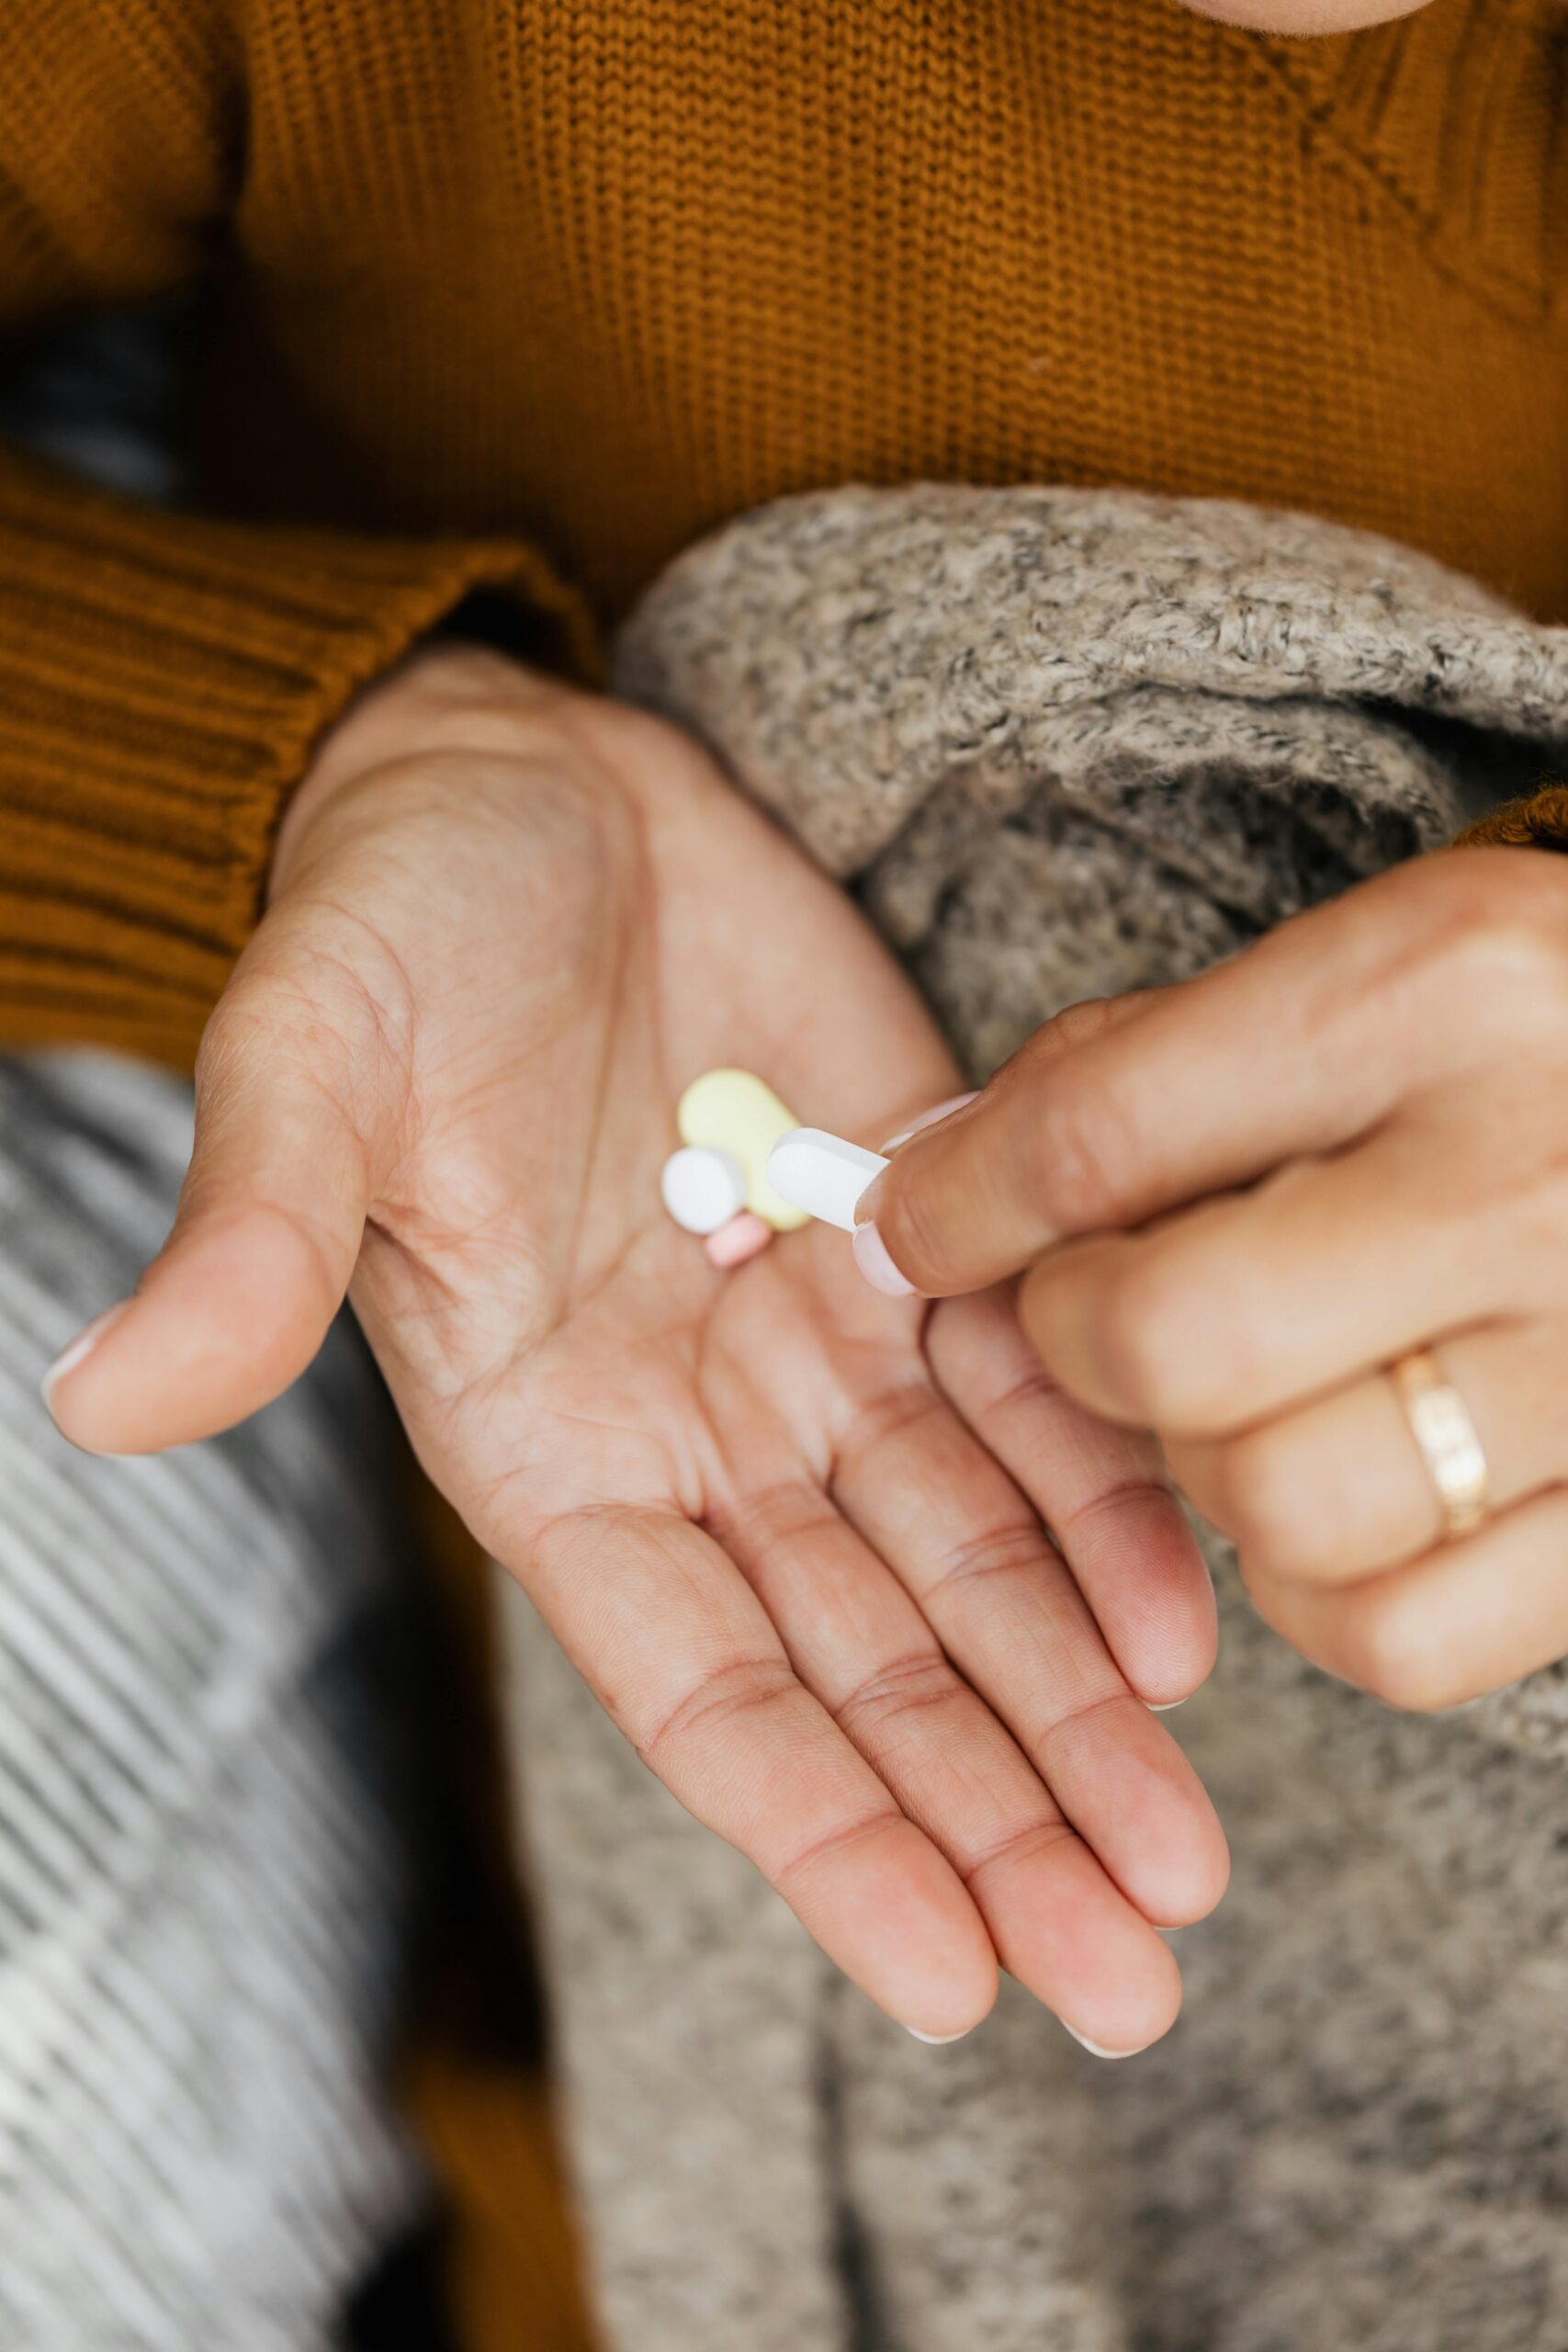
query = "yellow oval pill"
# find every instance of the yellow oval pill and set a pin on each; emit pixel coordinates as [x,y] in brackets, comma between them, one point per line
[730,1110]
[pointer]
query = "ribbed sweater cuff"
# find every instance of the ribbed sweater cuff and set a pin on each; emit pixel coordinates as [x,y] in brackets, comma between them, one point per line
[164,680]
[1540,820]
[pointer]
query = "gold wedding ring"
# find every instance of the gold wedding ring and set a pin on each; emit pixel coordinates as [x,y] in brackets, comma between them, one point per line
[1440,1424]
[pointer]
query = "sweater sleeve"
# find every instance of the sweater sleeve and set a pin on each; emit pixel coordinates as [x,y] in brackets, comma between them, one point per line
[163,676]
[1538,821]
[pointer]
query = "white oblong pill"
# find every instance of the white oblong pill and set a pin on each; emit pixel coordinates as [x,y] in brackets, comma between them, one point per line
[702,1189]
[822,1174]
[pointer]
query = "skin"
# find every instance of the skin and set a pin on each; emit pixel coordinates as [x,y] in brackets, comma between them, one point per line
[792,1533]
[1304,17]
[1234,1266]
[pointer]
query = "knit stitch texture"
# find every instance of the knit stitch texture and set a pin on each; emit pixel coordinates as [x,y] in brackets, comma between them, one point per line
[529,296]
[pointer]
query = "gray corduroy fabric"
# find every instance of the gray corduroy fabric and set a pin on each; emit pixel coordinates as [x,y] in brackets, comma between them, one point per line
[206,1867]
[1067,743]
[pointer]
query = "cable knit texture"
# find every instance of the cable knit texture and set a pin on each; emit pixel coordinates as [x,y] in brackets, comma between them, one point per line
[1070,743]
[544,290]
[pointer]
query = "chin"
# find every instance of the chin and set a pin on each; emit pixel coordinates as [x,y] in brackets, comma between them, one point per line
[1305,17]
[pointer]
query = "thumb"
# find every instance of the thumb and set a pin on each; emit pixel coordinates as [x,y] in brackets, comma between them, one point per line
[957,1209]
[242,1295]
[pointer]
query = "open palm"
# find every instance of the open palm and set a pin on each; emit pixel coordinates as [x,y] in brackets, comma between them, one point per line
[795,1541]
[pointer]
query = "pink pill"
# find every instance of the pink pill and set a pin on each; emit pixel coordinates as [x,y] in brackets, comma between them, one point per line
[743,1236]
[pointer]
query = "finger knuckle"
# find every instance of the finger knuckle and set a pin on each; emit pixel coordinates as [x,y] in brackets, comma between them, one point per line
[1502,933]
[1523,1222]
[899,1697]
[1145,1341]
[1079,1158]
[830,1845]
[1021,1845]
[1138,1491]
[739,1690]
[1015,1548]
[1272,1500]
[1389,1650]
[1075,1024]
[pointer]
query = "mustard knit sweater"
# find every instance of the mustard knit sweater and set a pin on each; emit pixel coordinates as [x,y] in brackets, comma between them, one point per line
[525,294]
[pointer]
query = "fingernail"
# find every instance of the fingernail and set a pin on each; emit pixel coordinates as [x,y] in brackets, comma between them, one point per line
[1163,1706]
[939,2041]
[930,1118]
[1095,2049]
[872,1258]
[80,1348]
[743,1236]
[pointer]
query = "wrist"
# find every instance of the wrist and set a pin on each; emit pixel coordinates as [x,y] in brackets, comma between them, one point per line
[443,698]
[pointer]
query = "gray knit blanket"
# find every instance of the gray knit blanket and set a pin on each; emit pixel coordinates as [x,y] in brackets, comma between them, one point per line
[1064,744]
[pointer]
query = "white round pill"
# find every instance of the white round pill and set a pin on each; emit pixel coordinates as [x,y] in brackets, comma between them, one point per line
[702,1189]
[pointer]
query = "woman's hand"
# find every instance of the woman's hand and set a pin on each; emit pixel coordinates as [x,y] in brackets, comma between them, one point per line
[1244,1197]
[802,1563]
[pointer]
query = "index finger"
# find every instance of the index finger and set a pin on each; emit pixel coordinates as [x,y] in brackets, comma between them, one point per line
[1298,1045]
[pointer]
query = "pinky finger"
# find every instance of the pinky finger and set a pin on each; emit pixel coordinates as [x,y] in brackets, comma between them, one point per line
[680,1651]
[1463,1620]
